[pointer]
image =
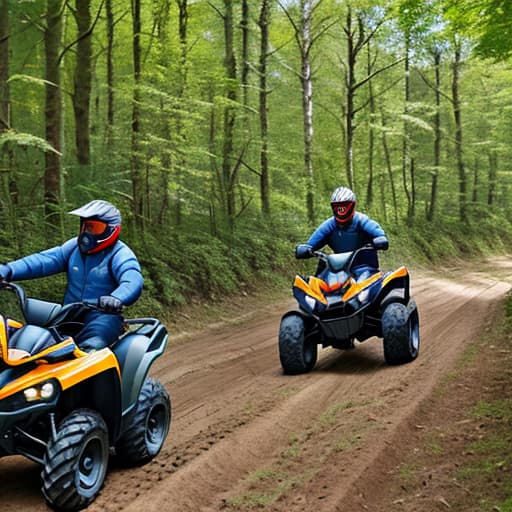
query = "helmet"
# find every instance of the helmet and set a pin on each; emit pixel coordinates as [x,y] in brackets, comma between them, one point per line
[343,204]
[100,225]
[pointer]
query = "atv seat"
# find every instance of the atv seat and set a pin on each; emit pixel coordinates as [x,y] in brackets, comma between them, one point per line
[31,339]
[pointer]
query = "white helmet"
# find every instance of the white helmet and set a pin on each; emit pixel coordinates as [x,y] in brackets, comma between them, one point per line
[343,204]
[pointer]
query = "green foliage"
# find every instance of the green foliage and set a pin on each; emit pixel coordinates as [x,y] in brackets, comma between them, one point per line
[191,246]
[25,140]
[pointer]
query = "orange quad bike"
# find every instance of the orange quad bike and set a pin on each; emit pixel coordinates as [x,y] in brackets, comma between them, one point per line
[340,304]
[67,409]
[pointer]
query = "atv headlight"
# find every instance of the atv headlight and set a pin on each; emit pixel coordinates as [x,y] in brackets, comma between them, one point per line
[363,296]
[44,391]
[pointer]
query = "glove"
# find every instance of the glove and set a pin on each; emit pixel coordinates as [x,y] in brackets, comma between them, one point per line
[303,251]
[380,243]
[110,304]
[5,273]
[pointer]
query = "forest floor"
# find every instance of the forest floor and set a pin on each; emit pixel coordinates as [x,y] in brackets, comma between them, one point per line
[352,435]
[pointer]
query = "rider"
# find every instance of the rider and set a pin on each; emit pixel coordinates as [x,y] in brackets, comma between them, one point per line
[347,230]
[100,269]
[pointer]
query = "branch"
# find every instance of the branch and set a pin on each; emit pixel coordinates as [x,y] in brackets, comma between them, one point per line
[294,25]
[321,33]
[252,169]
[87,33]
[216,10]
[372,33]
[425,79]
[375,73]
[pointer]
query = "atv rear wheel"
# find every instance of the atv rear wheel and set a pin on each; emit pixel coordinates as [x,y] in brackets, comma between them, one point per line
[75,462]
[400,329]
[296,352]
[146,433]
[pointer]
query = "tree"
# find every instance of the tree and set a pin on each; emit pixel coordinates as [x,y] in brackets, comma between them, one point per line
[358,34]
[82,80]
[136,160]
[53,109]
[305,37]
[110,73]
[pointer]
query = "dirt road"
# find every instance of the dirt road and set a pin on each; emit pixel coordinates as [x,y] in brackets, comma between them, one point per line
[243,434]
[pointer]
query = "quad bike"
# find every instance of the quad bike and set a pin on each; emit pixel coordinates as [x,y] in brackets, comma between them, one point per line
[65,408]
[336,307]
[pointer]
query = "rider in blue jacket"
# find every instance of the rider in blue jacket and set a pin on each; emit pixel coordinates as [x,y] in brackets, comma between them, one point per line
[347,230]
[100,269]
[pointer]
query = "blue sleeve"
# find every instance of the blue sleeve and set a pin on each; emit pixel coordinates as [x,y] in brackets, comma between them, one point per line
[370,226]
[128,274]
[42,264]
[321,235]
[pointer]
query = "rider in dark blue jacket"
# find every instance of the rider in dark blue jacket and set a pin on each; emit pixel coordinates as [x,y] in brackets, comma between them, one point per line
[100,269]
[347,230]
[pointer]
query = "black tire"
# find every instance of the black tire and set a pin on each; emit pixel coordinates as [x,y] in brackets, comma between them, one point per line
[76,461]
[145,435]
[400,330]
[296,352]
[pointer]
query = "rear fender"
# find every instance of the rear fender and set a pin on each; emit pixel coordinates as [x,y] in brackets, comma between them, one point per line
[136,353]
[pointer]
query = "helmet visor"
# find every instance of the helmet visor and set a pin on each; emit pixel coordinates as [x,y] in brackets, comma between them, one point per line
[343,211]
[93,227]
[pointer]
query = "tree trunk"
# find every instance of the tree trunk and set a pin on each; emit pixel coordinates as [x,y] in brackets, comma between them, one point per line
[263,23]
[53,110]
[458,134]
[5,104]
[161,20]
[389,167]
[82,81]
[136,160]
[228,175]
[371,135]
[437,140]
[406,144]
[476,183]
[244,24]
[307,104]
[182,92]
[493,173]
[8,185]
[110,74]
[350,81]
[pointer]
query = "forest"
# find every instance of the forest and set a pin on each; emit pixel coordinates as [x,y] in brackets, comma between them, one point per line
[220,128]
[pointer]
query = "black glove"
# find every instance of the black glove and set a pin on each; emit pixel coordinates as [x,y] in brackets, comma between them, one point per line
[5,273]
[110,304]
[303,251]
[380,243]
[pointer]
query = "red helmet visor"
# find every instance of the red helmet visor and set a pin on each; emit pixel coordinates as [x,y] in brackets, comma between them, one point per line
[343,211]
[93,227]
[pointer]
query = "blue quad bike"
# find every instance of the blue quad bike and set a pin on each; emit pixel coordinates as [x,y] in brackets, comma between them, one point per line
[341,303]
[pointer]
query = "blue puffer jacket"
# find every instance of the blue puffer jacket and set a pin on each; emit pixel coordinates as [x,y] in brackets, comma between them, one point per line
[114,271]
[362,230]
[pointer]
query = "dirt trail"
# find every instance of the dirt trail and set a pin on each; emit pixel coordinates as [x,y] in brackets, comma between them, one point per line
[236,415]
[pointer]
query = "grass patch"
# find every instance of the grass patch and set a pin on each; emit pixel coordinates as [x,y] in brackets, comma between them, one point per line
[329,417]
[280,483]
[408,473]
[345,444]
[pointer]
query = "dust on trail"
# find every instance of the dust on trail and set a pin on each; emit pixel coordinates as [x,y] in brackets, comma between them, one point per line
[235,413]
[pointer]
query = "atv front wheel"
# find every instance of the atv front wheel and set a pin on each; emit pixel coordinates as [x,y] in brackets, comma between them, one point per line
[296,352]
[76,461]
[400,329]
[146,433]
